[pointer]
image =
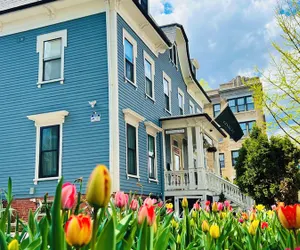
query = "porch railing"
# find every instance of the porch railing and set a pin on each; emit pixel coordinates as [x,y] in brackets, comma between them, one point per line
[201,179]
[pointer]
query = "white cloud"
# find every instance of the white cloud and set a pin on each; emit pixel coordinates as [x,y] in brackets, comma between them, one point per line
[211,44]
[272,30]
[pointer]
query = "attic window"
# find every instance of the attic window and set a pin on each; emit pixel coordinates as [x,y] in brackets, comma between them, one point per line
[174,55]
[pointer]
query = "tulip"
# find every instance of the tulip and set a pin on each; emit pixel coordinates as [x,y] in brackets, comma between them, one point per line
[253,226]
[78,230]
[194,214]
[197,206]
[169,206]
[174,223]
[289,216]
[245,216]
[121,199]
[273,207]
[68,195]
[13,245]
[260,207]
[146,212]
[252,216]
[169,210]
[227,203]
[184,203]
[214,207]
[207,203]
[207,208]
[149,202]
[134,204]
[160,204]
[214,231]
[192,222]
[264,225]
[178,240]
[270,213]
[205,226]
[223,215]
[99,187]
[220,206]
[241,220]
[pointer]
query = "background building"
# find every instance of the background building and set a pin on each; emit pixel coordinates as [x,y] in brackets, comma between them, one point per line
[240,99]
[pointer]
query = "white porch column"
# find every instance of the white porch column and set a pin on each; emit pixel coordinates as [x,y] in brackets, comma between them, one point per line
[201,173]
[217,160]
[190,157]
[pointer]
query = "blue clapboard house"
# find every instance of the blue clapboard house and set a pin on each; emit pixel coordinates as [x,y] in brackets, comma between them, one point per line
[84,82]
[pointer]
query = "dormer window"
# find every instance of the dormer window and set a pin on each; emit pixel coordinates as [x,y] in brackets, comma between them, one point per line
[144,5]
[174,55]
[194,70]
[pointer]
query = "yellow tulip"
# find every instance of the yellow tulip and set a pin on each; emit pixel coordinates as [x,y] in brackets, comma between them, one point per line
[169,206]
[184,203]
[253,226]
[178,240]
[214,231]
[205,226]
[192,222]
[214,207]
[194,214]
[252,216]
[13,245]
[174,223]
[99,187]
[260,207]
[270,213]
[223,215]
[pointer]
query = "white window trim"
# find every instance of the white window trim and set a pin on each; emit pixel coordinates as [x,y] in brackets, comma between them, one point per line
[151,61]
[43,120]
[128,37]
[180,92]
[40,49]
[132,118]
[170,91]
[193,106]
[152,130]
[198,111]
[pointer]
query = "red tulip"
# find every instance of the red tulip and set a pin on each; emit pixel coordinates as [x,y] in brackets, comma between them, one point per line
[68,195]
[289,216]
[264,225]
[146,212]
[207,203]
[134,204]
[121,199]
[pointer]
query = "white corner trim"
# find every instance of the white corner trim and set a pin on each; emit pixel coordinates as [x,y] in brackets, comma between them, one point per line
[48,119]
[132,117]
[130,39]
[41,39]
[152,129]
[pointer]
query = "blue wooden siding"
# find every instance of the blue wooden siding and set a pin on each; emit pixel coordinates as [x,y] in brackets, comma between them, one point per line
[86,78]
[135,99]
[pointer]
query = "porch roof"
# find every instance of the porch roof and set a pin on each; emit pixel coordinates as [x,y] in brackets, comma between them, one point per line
[203,118]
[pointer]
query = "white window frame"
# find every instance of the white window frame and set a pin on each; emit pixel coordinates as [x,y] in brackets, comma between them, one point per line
[45,120]
[62,34]
[152,130]
[132,118]
[180,92]
[198,111]
[165,76]
[191,104]
[151,61]
[130,39]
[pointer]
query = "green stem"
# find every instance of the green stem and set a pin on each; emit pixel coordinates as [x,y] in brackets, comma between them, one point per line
[296,238]
[95,228]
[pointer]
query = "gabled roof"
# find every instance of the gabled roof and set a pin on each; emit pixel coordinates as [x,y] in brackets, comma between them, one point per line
[7,6]
[171,32]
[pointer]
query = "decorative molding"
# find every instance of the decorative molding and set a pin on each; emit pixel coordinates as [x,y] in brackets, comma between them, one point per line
[132,117]
[152,129]
[48,119]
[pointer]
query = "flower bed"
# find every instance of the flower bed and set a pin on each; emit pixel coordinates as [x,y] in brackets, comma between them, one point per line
[128,222]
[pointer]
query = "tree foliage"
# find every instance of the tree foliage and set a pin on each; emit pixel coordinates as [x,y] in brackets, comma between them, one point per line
[280,96]
[267,169]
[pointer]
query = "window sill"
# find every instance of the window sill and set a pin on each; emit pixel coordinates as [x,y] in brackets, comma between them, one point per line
[149,97]
[61,80]
[169,112]
[133,176]
[46,179]
[128,81]
[153,180]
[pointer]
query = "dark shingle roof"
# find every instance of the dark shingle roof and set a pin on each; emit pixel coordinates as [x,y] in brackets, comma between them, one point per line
[14,5]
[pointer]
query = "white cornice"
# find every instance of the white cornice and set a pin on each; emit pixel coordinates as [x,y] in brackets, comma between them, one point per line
[151,128]
[132,117]
[48,119]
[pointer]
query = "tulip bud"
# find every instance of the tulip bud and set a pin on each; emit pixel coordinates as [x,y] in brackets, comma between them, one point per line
[194,214]
[68,195]
[245,216]
[264,225]
[99,187]
[253,226]
[270,213]
[134,204]
[178,240]
[13,245]
[184,203]
[214,231]
[241,220]
[227,203]
[197,207]
[252,216]
[223,215]
[121,199]
[205,226]
[273,207]
[174,223]
[169,206]
[78,230]
[192,222]
[214,207]
[146,212]
[207,203]
[260,207]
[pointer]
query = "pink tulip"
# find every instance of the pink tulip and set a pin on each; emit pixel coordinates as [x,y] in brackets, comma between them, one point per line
[227,203]
[121,199]
[169,210]
[273,207]
[160,204]
[150,202]
[241,220]
[220,206]
[197,206]
[207,208]
[146,212]
[134,204]
[68,195]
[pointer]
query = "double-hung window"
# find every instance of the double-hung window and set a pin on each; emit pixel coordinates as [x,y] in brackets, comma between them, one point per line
[234,156]
[51,56]
[151,157]
[241,104]
[192,108]
[130,53]
[222,160]
[181,101]
[149,75]
[247,127]
[167,92]
[217,109]
[249,103]
[131,150]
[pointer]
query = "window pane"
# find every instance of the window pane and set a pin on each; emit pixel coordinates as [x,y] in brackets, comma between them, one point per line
[167,102]
[180,100]
[151,168]
[249,99]
[128,51]
[217,107]
[52,70]
[166,87]
[149,88]
[244,128]
[241,101]
[250,126]
[231,103]
[131,162]
[49,164]
[52,49]
[49,138]
[129,70]
[131,150]
[151,146]
[148,70]
[191,109]
[222,160]
[234,155]
[131,137]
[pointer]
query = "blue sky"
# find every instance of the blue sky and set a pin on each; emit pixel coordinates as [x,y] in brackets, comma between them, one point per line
[228,37]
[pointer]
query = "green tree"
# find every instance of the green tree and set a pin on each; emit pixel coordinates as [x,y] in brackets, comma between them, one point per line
[267,169]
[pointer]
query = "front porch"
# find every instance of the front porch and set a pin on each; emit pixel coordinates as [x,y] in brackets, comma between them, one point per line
[190,142]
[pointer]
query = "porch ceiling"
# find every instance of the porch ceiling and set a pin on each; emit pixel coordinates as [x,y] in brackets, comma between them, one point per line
[203,120]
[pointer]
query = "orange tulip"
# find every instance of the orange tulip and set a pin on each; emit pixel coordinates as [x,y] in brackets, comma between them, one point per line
[78,230]
[289,216]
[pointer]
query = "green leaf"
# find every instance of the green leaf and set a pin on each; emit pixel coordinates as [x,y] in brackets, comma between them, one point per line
[143,237]
[107,238]
[4,217]
[35,244]
[44,229]
[31,225]
[122,227]
[3,245]
[128,241]
[163,239]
